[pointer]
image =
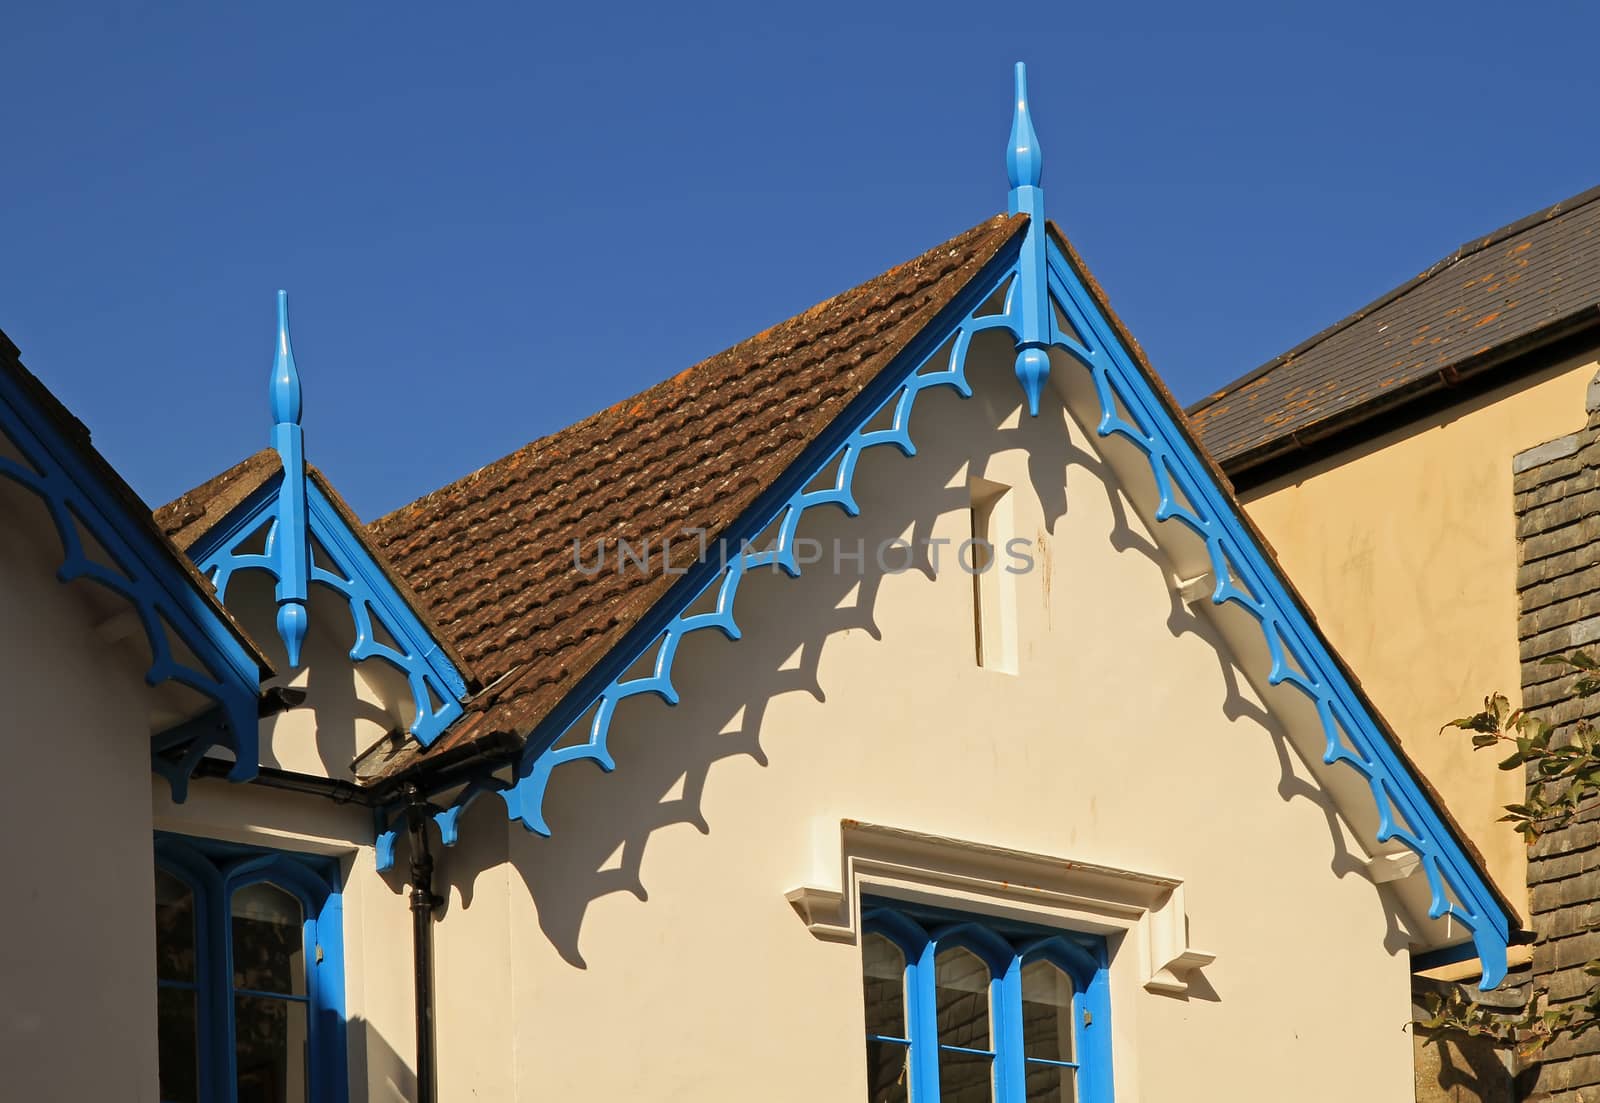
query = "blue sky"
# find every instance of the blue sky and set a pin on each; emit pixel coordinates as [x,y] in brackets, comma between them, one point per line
[495,219]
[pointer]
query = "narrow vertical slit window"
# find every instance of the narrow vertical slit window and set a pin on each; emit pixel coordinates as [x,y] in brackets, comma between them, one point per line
[994,591]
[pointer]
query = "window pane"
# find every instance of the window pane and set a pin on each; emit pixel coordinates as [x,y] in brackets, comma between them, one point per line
[883,981]
[965,1077]
[887,1072]
[174,928]
[268,940]
[175,1034]
[1046,1012]
[270,1046]
[962,982]
[1051,1084]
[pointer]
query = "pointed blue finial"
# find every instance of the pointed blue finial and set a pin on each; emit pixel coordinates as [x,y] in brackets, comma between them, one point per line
[1025,168]
[285,377]
[292,542]
[1024,160]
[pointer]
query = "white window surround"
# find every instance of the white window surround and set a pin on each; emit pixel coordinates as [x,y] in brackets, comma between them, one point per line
[1146,909]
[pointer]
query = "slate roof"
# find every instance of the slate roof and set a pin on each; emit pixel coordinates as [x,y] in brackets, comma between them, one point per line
[491,555]
[1534,280]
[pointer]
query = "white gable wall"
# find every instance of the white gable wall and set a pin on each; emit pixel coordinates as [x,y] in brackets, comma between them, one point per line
[652,953]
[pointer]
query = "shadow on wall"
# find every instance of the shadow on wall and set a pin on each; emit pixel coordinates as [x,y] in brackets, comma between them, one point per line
[374,1064]
[345,722]
[601,825]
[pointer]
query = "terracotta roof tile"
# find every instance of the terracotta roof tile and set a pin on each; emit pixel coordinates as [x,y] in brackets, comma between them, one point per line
[491,556]
[187,518]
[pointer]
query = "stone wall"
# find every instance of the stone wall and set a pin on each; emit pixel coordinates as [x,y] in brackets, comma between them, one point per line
[1557,488]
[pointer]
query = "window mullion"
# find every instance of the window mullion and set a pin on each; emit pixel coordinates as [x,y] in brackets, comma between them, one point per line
[227,1058]
[1010,1060]
[923,1016]
[212,980]
[315,1043]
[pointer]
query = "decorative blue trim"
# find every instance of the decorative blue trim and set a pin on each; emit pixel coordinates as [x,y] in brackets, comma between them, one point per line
[162,594]
[1037,279]
[293,549]
[665,625]
[294,512]
[437,687]
[1025,168]
[214,871]
[1246,578]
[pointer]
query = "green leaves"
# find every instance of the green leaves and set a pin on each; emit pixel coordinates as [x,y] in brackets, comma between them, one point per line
[1563,775]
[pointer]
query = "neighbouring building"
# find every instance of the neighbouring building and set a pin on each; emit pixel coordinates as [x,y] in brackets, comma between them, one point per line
[1426,473]
[895,706]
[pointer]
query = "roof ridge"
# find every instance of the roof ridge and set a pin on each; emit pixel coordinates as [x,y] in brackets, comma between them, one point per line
[379,524]
[492,554]
[1467,249]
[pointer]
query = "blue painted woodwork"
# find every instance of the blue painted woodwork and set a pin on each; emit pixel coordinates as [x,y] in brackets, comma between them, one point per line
[293,546]
[144,573]
[1038,279]
[1004,948]
[1025,169]
[213,871]
[1247,579]
[294,520]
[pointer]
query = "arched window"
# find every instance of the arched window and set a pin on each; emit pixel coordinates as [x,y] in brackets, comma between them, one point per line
[249,959]
[966,1011]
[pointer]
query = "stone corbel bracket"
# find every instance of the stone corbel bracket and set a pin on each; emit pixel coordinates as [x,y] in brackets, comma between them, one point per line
[1147,910]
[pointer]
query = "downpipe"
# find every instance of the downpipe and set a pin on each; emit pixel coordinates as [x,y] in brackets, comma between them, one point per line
[423,903]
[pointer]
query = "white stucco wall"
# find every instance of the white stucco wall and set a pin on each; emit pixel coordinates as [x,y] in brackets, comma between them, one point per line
[648,951]
[77,936]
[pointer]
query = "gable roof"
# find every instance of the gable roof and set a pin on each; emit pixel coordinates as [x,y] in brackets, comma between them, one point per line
[131,508]
[188,518]
[492,555]
[194,513]
[492,558]
[1525,284]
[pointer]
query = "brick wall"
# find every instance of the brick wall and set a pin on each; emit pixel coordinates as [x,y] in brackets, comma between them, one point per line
[1557,488]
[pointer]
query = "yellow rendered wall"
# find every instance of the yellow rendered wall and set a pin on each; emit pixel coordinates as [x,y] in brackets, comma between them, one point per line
[1405,547]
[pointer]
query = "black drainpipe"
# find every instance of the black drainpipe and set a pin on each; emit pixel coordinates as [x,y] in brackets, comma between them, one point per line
[423,901]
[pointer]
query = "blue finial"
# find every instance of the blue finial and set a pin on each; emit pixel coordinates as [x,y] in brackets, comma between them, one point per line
[285,377]
[1025,167]
[1024,161]
[292,544]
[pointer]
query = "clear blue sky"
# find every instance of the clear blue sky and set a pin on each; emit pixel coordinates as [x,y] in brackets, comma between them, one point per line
[494,220]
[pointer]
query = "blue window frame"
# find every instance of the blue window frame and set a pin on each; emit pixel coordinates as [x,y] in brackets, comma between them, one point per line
[250,974]
[967,1010]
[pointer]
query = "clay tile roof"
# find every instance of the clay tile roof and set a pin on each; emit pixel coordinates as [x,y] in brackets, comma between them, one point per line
[491,555]
[187,518]
[1536,278]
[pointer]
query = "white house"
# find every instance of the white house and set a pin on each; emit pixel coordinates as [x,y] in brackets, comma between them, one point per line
[958,738]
